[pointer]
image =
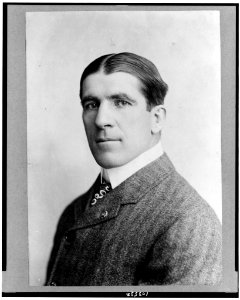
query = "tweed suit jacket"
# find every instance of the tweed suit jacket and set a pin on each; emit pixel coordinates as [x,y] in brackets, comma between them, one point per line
[157,231]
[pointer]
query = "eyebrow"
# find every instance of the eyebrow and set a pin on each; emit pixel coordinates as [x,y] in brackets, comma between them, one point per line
[121,96]
[89,98]
[118,96]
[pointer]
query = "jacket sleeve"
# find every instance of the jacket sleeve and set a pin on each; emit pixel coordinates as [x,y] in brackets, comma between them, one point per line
[189,252]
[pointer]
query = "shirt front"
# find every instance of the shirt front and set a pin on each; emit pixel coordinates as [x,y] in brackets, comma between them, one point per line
[117,175]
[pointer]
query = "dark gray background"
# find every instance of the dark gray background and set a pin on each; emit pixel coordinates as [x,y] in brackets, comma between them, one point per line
[16,277]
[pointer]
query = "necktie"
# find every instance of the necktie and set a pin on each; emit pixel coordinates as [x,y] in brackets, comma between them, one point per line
[104,188]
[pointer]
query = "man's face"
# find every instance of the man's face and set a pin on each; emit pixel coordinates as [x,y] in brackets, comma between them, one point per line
[117,123]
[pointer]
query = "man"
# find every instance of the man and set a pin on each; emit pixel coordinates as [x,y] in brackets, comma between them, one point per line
[140,223]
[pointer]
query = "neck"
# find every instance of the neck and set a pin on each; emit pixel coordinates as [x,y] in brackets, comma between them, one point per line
[117,175]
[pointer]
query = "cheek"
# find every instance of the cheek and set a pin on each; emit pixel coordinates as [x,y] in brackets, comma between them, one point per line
[88,124]
[137,124]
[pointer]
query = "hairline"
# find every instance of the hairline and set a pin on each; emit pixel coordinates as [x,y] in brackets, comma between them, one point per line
[102,69]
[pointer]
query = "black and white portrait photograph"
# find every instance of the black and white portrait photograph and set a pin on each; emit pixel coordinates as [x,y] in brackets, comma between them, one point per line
[125,181]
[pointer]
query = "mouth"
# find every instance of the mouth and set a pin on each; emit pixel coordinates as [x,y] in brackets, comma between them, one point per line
[105,140]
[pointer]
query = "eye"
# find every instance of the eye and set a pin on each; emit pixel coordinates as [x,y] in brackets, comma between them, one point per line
[90,105]
[121,103]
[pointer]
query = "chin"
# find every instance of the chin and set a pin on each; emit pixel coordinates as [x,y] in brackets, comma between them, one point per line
[109,162]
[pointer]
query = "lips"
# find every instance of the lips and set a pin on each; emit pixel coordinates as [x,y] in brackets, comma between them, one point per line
[102,140]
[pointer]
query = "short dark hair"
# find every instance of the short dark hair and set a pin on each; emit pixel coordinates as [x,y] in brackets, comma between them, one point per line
[153,86]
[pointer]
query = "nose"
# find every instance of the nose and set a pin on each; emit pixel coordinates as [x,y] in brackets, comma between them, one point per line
[104,116]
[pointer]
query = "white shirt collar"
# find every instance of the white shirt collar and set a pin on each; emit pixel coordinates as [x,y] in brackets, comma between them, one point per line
[117,175]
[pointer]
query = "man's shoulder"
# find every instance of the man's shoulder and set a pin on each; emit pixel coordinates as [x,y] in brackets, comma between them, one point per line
[81,201]
[68,215]
[178,195]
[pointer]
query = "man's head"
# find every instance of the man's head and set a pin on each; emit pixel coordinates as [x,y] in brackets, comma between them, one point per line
[122,97]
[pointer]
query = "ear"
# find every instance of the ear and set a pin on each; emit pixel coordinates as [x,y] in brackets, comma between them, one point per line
[158,118]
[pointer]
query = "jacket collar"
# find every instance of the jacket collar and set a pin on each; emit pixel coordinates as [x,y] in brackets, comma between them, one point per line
[136,186]
[129,191]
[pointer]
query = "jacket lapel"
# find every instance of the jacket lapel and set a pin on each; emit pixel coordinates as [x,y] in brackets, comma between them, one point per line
[129,191]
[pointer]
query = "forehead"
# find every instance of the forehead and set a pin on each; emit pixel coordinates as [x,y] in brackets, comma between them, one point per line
[100,85]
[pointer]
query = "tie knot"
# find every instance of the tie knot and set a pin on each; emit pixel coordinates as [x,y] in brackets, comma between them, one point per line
[105,186]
